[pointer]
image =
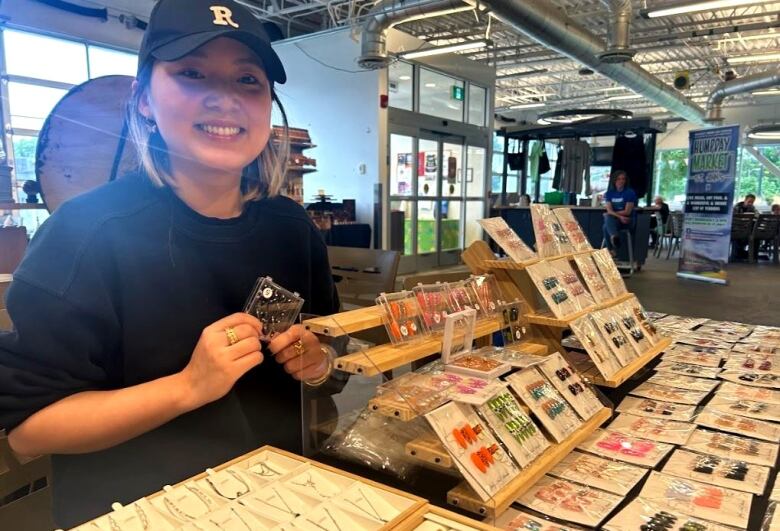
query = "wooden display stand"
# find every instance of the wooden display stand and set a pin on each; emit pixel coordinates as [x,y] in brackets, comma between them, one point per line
[543,327]
[297,164]
[444,518]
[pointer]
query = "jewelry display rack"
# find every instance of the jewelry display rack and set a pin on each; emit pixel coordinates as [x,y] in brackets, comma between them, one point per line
[543,327]
[298,163]
[428,451]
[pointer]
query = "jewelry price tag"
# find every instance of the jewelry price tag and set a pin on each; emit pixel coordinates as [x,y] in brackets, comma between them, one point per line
[719,471]
[275,307]
[605,474]
[733,447]
[624,447]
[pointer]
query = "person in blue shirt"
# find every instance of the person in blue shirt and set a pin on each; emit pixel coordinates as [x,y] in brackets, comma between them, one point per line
[620,201]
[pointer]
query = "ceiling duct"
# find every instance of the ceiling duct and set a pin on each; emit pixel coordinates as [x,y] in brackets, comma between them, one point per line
[390,13]
[619,49]
[740,85]
[541,21]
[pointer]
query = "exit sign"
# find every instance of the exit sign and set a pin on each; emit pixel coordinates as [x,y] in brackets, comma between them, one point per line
[457,93]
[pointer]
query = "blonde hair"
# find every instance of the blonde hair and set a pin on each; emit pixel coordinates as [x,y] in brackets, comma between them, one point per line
[265,177]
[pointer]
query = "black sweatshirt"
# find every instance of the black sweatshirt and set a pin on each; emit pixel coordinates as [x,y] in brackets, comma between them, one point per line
[115,290]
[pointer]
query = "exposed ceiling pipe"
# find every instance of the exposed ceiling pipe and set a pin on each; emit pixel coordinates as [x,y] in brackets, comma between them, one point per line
[541,21]
[391,12]
[620,15]
[724,89]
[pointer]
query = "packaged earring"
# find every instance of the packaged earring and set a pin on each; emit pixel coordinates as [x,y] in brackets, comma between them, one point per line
[514,428]
[487,292]
[609,272]
[483,463]
[646,407]
[570,501]
[552,410]
[654,515]
[686,369]
[632,329]
[594,471]
[669,394]
[611,329]
[654,429]
[593,280]
[753,379]
[462,296]
[733,474]
[566,274]
[571,386]
[507,239]
[745,392]
[693,355]
[554,290]
[516,520]
[679,381]
[572,228]
[275,307]
[733,447]
[551,239]
[435,304]
[402,316]
[746,408]
[717,504]
[618,445]
[759,429]
[587,332]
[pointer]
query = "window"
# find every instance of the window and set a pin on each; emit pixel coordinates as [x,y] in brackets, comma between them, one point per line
[41,57]
[477,105]
[441,95]
[40,71]
[400,78]
[671,176]
[106,62]
[754,178]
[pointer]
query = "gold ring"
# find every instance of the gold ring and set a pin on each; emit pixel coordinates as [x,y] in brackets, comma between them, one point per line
[231,335]
[299,348]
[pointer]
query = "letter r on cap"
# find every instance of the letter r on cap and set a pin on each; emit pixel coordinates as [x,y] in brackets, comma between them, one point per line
[223,16]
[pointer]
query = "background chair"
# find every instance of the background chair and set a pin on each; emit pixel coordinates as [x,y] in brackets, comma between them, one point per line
[13,244]
[765,230]
[741,231]
[676,220]
[362,274]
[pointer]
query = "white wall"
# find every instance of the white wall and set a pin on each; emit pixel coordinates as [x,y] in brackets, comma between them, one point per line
[32,15]
[340,108]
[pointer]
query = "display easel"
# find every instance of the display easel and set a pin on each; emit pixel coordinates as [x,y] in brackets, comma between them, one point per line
[429,451]
[543,326]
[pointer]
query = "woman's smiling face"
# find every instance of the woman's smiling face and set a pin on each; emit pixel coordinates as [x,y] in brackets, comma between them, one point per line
[212,107]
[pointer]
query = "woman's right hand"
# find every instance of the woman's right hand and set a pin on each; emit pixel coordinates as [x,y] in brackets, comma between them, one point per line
[216,365]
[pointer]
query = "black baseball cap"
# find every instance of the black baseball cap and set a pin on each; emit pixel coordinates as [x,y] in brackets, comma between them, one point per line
[178,27]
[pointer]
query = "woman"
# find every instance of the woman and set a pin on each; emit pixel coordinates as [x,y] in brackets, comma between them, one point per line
[620,201]
[129,362]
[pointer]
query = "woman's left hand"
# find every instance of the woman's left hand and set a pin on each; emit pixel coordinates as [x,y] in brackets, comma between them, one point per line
[299,351]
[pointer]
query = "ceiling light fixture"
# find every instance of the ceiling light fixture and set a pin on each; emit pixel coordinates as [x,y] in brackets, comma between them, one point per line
[580,115]
[679,8]
[430,85]
[527,106]
[439,50]
[764,132]
[774,92]
[624,97]
[404,78]
[521,74]
[758,58]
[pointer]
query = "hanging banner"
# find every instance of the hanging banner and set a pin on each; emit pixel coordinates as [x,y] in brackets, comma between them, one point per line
[709,195]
